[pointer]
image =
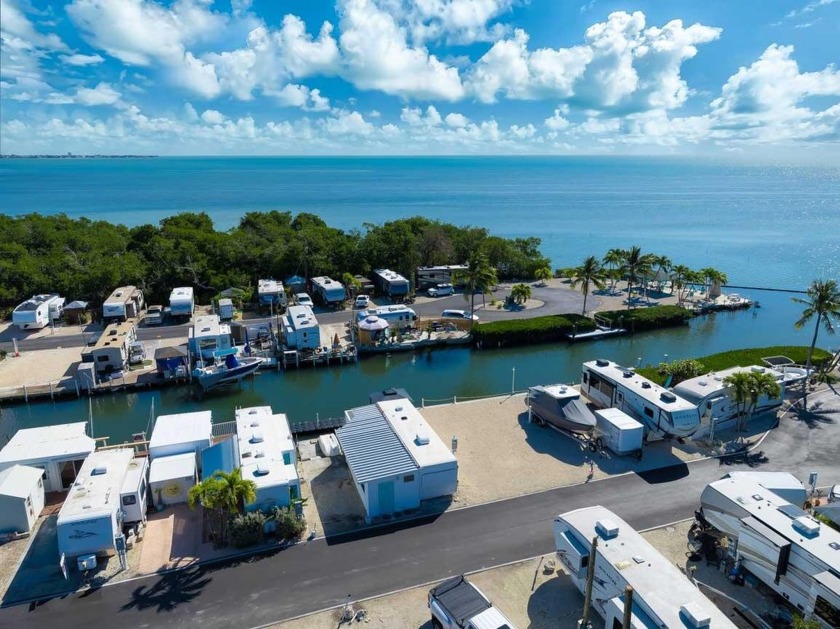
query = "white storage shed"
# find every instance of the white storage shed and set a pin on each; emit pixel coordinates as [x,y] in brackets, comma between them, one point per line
[171,478]
[58,450]
[618,431]
[21,498]
[181,434]
[395,458]
[267,457]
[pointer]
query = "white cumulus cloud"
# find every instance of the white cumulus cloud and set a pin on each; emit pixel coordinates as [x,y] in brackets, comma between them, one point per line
[78,59]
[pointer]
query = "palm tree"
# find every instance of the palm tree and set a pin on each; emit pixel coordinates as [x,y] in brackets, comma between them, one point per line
[636,266]
[824,302]
[479,276]
[590,272]
[351,283]
[207,493]
[520,293]
[712,276]
[236,491]
[762,384]
[663,265]
[543,274]
[679,280]
[739,382]
[613,260]
[224,492]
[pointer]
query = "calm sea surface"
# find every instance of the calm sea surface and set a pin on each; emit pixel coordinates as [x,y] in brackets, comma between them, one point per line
[763,226]
[773,226]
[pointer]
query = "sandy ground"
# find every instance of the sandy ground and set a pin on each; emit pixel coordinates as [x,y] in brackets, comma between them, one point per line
[39,367]
[332,503]
[494,434]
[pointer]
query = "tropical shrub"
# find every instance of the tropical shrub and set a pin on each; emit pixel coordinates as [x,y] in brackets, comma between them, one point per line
[247,529]
[289,526]
[653,318]
[526,331]
[680,370]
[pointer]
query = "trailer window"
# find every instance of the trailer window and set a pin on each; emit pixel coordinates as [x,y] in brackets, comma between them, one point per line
[129,500]
[585,377]
[828,612]
[648,412]
[102,359]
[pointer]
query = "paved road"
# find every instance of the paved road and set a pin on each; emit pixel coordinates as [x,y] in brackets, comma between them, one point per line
[312,576]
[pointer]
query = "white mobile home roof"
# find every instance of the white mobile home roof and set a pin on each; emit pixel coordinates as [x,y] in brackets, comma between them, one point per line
[18,480]
[94,494]
[654,579]
[262,438]
[420,439]
[269,287]
[301,318]
[697,389]
[638,384]
[181,428]
[121,295]
[391,276]
[371,447]
[172,467]
[763,505]
[63,441]
[182,293]
[209,325]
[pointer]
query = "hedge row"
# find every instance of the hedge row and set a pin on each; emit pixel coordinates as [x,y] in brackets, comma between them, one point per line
[528,331]
[653,318]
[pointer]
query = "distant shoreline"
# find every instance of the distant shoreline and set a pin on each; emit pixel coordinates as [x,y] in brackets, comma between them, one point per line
[70,156]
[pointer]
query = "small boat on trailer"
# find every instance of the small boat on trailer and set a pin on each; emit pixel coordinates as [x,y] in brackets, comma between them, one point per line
[228,367]
[561,406]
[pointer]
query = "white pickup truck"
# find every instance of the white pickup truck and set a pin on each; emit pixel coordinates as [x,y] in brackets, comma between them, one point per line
[458,603]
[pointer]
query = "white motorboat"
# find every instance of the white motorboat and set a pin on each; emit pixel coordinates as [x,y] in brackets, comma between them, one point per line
[227,368]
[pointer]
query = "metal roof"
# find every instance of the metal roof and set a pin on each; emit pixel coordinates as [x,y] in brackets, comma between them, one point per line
[46,443]
[371,447]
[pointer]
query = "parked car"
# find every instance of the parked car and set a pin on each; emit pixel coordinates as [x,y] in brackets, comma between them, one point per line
[136,353]
[362,302]
[302,299]
[458,603]
[458,314]
[441,290]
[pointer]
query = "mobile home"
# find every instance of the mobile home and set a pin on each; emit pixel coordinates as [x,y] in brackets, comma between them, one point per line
[390,283]
[171,478]
[662,595]
[663,414]
[126,302]
[327,291]
[793,554]
[395,458]
[113,348]
[207,336]
[271,293]
[398,317]
[36,312]
[181,433]
[58,450]
[267,457]
[182,302]
[715,399]
[428,276]
[21,498]
[91,518]
[300,328]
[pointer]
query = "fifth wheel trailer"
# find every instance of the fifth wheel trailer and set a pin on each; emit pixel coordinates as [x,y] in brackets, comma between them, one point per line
[36,312]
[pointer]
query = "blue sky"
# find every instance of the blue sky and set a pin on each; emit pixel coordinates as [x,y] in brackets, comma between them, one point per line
[279,77]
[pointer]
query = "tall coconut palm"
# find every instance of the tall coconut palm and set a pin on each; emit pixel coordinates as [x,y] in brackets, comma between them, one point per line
[636,266]
[613,260]
[679,281]
[208,494]
[740,384]
[762,384]
[712,276]
[590,272]
[823,302]
[543,274]
[479,276]
[662,265]
[226,493]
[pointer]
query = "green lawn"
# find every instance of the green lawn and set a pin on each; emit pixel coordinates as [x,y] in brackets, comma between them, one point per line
[744,358]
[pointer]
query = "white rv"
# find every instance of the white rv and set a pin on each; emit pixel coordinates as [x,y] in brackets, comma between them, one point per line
[113,348]
[398,317]
[793,554]
[36,312]
[126,302]
[662,595]
[91,518]
[271,293]
[327,291]
[300,328]
[207,336]
[181,302]
[663,414]
[133,494]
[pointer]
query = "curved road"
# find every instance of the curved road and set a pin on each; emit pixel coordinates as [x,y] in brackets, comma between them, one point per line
[312,576]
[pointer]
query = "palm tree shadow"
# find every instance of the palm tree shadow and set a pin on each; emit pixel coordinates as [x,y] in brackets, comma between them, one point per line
[170,591]
[745,457]
[815,417]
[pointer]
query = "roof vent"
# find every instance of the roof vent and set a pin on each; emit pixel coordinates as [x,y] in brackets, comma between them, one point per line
[667,396]
[806,526]
[695,615]
[606,528]
[646,385]
[757,369]
[252,411]
[255,423]
[834,545]
[99,470]
[259,454]
[422,438]
[702,383]
[399,409]
[256,437]
[602,362]
[627,374]
[563,388]
[718,378]
[262,470]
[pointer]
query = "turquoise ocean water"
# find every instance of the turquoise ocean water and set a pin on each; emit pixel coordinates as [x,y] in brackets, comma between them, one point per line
[768,226]
[775,226]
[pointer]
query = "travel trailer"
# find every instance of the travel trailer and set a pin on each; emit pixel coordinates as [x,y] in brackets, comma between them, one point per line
[663,414]
[327,292]
[398,317]
[134,489]
[126,302]
[300,328]
[207,336]
[227,311]
[36,312]
[792,553]
[113,349]
[181,302]
[429,276]
[662,595]
[271,293]
[390,283]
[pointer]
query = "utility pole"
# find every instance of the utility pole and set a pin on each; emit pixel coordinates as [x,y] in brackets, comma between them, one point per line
[628,607]
[590,577]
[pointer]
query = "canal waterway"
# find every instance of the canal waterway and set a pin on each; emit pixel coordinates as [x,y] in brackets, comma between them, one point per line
[432,375]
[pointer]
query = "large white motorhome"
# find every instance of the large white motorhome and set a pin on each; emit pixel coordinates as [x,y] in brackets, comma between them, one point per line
[390,283]
[428,276]
[181,302]
[715,400]
[792,553]
[36,312]
[663,414]
[126,302]
[327,291]
[662,595]
[91,518]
